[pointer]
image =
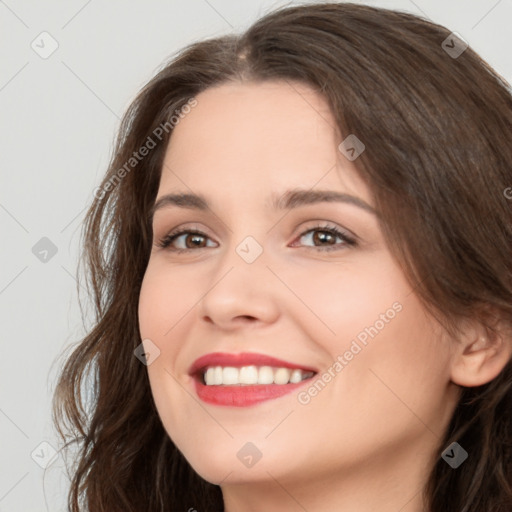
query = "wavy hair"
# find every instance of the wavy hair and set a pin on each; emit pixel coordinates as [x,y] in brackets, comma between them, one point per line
[438,162]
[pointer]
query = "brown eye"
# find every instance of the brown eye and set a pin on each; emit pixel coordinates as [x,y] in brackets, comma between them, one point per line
[193,240]
[324,238]
[184,240]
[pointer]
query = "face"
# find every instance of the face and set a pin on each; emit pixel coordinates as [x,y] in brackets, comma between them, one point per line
[301,279]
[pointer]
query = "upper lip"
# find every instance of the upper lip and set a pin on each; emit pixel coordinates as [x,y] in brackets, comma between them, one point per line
[242,359]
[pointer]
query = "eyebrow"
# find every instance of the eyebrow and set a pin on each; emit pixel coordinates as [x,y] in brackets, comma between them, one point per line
[289,200]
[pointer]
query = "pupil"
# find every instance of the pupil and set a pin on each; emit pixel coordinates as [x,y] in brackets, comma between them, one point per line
[195,240]
[322,236]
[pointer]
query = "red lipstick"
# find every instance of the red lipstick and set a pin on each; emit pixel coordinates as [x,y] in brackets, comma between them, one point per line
[238,395]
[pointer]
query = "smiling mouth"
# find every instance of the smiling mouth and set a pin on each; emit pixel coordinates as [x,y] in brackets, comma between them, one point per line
[252,375]
[247,378]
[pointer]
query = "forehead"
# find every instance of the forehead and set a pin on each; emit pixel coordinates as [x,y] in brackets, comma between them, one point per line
[250,137]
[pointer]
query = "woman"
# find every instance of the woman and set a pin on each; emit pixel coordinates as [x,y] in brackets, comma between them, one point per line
[300,256]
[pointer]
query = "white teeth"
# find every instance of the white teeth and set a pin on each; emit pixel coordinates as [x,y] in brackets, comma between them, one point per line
[282,376]
[217,376]
[296,376]
[266,375]
[209,376]
[230,375]
[247,375]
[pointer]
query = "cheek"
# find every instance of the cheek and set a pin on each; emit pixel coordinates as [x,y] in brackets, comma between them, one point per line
[342,298]
[165,298]
[160,309]
[390,393]
[400,373]
[394,364]
[165,310]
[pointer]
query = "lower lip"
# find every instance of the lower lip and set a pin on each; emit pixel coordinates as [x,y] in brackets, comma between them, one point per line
[243,396]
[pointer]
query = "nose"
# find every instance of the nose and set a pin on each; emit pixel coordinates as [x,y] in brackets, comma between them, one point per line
[240,294]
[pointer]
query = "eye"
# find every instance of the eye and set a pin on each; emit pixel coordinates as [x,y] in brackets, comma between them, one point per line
[187,238]
[325,236]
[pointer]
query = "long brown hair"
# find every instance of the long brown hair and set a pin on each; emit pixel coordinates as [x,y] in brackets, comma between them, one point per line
[438,134]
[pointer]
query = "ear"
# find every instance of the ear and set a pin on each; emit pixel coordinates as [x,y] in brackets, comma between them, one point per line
[480,353]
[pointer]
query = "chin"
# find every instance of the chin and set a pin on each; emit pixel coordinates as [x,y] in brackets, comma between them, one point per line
[217,468]
[234,460]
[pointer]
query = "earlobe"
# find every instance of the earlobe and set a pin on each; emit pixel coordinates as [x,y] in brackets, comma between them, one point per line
[480,355]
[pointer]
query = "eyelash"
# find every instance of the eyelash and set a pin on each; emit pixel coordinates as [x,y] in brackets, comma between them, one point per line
[347,240]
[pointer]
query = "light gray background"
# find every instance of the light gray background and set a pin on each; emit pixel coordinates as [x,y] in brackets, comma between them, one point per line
[58,119]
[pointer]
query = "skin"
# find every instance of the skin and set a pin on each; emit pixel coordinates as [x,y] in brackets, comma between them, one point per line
[367,440]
